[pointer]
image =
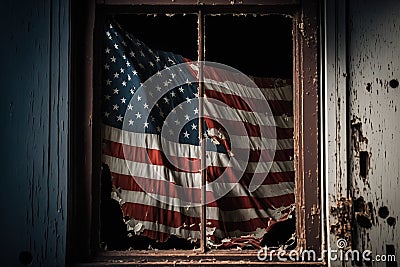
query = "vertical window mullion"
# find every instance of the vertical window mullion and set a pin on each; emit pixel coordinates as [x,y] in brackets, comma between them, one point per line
[203,172]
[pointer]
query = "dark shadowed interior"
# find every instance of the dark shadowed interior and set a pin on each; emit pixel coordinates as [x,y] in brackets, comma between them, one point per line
[255,45]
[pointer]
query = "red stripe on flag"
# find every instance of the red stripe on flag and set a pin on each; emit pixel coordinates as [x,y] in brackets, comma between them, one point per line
[149,156]
[242,128]
[165,188]
[277,107]
[157,157]
[179,220]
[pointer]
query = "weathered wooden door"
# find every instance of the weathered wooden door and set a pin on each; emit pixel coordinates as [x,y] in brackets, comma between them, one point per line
[374,114]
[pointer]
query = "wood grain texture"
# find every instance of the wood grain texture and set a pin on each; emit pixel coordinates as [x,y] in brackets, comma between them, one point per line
[34,116]
[374,56]
[334,114]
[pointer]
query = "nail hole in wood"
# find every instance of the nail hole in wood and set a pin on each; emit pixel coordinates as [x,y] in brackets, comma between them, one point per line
[364,164]
[394,83]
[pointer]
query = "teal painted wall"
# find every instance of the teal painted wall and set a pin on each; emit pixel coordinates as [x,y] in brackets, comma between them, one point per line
[34,80]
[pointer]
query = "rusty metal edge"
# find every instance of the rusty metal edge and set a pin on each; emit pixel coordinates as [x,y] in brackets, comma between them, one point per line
[306,88]
[198,2]
[193,9]
[80,154]
[181,257]
[307,151]
[197,263]
[203,173]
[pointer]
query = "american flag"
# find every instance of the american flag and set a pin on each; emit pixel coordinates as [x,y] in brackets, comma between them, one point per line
[151,143]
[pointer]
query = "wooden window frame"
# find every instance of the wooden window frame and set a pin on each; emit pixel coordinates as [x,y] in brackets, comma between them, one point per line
[83,236]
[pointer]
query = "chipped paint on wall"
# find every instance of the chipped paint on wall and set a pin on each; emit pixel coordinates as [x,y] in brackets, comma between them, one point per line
[34,114]
[374,98]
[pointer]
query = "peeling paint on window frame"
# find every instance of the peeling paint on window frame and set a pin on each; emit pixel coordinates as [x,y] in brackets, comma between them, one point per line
[83,226]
